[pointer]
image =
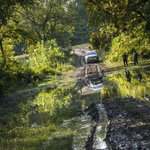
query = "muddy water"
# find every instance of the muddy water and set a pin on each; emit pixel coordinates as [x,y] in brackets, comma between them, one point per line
[135,83]
[101,129]
[82,131]
[84,124]
[83,128]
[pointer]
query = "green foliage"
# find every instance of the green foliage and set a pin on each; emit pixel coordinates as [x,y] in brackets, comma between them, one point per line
[39,114]
[8,50]
[81,32]
[103,38]
[124,15]
[51,20]
[125,26]
[136,40]
[8,22]
[44,60]
[95,41]
[45,55]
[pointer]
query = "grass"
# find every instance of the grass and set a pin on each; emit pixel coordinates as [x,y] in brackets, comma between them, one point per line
[33,120]
[107,66]
[31,115]
[34,117]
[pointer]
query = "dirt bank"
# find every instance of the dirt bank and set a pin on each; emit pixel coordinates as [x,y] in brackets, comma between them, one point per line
[128,124]
[128,119]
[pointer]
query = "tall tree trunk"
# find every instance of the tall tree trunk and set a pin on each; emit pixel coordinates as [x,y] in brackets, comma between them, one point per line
[3,55]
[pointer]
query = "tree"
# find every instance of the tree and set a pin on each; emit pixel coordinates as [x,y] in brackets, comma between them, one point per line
[120,16]
[124,15]
[49,19]
[82,31]
[7,8]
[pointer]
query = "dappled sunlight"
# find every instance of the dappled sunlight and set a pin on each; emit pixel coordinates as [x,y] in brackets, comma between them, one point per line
[39,115]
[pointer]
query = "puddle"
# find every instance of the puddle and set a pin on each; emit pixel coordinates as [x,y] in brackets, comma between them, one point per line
[82,131]
[96,84]
[135,83]
[101,129]
[85,125]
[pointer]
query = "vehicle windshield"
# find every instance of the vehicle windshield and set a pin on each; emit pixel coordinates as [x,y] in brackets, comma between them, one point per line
[91,53]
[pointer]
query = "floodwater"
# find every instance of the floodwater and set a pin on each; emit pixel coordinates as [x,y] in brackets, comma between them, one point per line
[135,83]
[84,124]
[83,128]
[100,134]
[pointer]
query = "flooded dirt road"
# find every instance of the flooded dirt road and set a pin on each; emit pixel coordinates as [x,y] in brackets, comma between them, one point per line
[127,112]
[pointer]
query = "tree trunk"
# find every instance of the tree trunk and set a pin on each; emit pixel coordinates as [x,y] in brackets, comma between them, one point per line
[3,55]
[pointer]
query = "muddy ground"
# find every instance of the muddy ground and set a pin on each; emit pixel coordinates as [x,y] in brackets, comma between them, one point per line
[85,72]
[128,124]
[128,119]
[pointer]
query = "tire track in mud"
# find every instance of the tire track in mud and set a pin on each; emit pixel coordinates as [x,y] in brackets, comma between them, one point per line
[89,71]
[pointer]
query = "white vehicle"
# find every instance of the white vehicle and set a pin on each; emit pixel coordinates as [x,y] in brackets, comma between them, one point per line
[96,84]
[91,56]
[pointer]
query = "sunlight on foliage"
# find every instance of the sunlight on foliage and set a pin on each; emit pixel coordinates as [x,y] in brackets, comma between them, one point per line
[136,40]
[120,86]
[45,55]
[32,121]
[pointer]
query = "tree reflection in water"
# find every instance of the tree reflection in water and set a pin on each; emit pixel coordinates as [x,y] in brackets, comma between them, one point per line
[120,85]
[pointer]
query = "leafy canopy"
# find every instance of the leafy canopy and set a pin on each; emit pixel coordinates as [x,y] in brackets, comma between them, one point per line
[124,14]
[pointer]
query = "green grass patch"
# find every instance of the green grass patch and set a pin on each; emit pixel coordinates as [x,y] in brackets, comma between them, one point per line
[107,66]
[33,120]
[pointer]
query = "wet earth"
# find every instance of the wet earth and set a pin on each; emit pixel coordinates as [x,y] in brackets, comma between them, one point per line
[128,119]
[128,124]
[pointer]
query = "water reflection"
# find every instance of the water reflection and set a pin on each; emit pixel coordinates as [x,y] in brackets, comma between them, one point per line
[128,76]
[139,75]
[101,129]
[134,83]
[96,84]
[85,125]
[83,128]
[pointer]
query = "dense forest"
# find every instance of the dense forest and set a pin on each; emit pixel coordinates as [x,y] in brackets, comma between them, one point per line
[41,29]
[63,20]
[125,27]
[39,102]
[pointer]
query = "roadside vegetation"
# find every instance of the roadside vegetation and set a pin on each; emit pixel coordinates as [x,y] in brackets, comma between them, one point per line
[42,62]
[124,28]
[37,108]
[36,39]
[32,119]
